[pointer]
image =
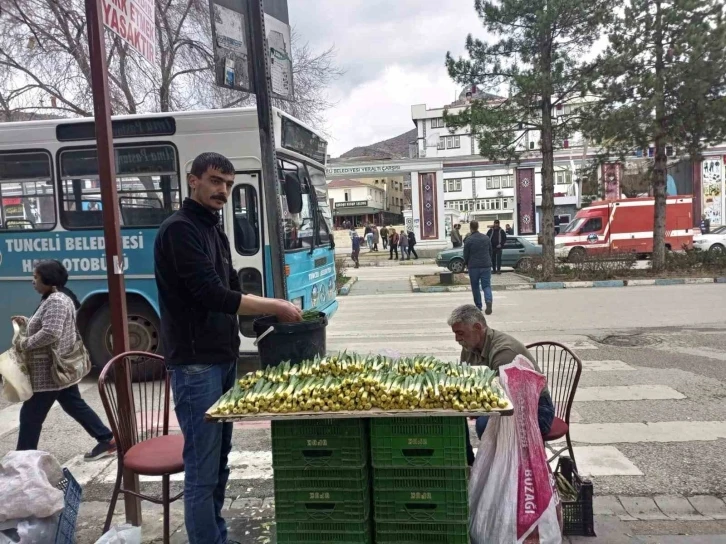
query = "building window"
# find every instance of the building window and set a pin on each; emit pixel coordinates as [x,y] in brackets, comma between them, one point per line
[442,143]
[563,177]
[438,122]
[453,142]
[493,182]
[452,185]
[507,182]
[346,194]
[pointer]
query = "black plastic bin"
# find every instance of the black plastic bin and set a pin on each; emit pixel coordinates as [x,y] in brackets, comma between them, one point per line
[294,342]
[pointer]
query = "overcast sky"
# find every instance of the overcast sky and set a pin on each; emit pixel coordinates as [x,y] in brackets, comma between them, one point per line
[393,52]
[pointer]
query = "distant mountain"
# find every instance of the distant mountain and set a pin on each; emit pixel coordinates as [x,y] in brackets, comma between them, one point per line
[393,148]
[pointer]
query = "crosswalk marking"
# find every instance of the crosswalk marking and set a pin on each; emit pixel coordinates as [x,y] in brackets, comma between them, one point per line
[660,431]
[602,461]
[626,392]
[605,366]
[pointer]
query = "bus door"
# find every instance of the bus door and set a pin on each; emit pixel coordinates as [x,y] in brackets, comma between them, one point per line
[243,225]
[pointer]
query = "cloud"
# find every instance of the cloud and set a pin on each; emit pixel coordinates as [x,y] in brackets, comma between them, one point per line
[393,53]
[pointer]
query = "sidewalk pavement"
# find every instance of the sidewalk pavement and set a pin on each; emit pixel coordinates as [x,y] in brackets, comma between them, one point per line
[252,520]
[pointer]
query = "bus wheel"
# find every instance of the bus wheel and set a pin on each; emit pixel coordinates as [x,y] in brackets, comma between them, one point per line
[577,255]
[144,333]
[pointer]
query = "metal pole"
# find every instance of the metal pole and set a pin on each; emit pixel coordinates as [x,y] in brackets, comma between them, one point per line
[112,234]
[270,182]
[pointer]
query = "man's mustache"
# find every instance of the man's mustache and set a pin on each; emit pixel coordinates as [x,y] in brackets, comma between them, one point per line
[221,198]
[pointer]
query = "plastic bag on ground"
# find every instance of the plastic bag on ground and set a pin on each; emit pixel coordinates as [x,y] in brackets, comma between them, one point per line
[512,496]
[27,485]
[15,374]
[121,534]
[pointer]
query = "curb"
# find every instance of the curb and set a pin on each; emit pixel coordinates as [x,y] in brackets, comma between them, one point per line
[385,263]
[550,285]
[345,289]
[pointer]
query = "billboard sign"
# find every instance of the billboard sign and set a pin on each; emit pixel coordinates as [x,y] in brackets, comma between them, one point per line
[134,21]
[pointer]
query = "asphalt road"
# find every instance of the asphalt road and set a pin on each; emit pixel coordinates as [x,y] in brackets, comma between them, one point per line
[649,419]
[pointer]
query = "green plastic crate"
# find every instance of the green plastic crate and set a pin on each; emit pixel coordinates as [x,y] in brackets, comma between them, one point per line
[421,533]
[335,443]
[295,532]
[420,494]
[418,441]
[320,506]
[335,484]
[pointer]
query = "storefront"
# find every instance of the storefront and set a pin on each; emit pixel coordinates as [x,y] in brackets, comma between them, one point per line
[356,213]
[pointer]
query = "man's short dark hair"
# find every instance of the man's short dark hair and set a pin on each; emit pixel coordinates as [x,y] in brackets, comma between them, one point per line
[212,160]
[474,226]
[496,221]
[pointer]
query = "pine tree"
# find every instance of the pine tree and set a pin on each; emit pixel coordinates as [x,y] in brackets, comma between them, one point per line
[537,64]
[662,83]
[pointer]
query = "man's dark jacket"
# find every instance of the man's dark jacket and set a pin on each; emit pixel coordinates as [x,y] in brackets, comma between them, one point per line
[199,291]
[478,251]
[498,238]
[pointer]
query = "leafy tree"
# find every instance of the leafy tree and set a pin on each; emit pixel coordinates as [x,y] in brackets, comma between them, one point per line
[535,58]
[662,83]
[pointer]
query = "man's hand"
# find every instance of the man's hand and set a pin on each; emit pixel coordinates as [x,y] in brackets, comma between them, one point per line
[20,320]
[286,311]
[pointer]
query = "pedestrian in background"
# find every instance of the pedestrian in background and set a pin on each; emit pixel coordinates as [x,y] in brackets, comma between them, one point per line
[393,243]
[384,237]
[368,234]
[456,236]
[355,245]
[376,238]
[498,238]
[705,224]
[403,244]
[53,325]
[412,244]
[509,230]
[478,259]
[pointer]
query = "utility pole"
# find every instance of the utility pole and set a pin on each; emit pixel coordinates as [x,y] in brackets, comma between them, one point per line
[112,235]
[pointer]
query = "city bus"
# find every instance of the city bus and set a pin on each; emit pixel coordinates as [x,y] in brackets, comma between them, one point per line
[50,208]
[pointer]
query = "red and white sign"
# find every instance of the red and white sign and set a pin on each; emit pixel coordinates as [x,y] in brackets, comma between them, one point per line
[134,22]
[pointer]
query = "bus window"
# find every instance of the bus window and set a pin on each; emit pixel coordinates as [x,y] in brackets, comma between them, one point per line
[246,222]
[27,194]
[298,228]
[147,182]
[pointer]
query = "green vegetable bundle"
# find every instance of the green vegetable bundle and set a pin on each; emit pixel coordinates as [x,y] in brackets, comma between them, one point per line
[351,382]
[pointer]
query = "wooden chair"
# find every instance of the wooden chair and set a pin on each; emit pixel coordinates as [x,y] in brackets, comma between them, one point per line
[143,442]
[562,369]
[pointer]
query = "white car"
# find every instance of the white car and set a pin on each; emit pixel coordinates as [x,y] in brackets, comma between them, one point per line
[714,241]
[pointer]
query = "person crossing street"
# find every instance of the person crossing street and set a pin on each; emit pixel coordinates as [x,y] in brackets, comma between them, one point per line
[478,259]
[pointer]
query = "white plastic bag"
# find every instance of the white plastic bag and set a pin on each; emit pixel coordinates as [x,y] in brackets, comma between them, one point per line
[512,496]
[27,485]
[38,531]
[15,374]
[121,534]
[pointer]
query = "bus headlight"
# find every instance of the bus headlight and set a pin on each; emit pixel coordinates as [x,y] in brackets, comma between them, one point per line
[298,302]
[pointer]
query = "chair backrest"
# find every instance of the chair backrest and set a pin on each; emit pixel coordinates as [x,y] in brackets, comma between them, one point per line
[562,369]
[147,382]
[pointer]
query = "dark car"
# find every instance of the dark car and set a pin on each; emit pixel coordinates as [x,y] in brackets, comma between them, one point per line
[517,253]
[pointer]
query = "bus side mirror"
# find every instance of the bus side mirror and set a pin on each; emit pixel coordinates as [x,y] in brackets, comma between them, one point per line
[293,193]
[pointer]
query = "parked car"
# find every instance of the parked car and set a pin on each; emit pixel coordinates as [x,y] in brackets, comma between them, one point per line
[517,253]
[714,241]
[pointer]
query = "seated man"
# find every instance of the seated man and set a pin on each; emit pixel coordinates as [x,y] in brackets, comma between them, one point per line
[485,346]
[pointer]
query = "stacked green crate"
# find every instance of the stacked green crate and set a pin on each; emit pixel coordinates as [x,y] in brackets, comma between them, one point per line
[322,481]
[420,480]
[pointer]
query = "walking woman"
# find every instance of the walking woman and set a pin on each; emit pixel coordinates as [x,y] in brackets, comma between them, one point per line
[54,325]
[403,244]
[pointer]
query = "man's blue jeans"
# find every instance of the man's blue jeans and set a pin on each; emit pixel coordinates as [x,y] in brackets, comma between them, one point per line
[206,447]
[481,277]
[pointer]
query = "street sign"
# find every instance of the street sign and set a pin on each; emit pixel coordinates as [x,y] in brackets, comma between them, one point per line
[231,44]
[279,45]
[352,204]
[134,22]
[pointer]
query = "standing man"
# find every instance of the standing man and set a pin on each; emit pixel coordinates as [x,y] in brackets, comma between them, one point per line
[376,237]
[403,244]
[368,235]
[412,244]
[456,236]
[355,246]
[384,237]
[478,259]
[498,238]
[200,298]
[508,230]
[393,243]
[705,224]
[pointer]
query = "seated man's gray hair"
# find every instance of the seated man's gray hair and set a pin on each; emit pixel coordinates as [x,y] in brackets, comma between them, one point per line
[469,314]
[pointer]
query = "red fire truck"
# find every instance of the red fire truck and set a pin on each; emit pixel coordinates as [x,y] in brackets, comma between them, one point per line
[624,225]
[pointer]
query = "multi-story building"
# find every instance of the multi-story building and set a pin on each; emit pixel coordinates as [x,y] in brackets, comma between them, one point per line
[481,189]
[357,202]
